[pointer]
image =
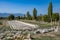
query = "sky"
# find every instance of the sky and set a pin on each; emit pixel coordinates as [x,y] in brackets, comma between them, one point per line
[22,6]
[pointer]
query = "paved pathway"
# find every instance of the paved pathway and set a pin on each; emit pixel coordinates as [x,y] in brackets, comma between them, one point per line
[21,25]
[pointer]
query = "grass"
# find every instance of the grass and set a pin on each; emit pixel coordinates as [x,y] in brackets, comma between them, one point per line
[45,38]
[1,22]
[40,24]
[3,29]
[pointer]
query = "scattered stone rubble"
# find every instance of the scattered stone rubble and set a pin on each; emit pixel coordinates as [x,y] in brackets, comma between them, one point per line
[19,34]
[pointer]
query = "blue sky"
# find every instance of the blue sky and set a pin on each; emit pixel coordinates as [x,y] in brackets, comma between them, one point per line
[22,6]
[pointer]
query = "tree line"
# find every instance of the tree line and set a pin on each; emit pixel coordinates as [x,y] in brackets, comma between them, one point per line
[47,17]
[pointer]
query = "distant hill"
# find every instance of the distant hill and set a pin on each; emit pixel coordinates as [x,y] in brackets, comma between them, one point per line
[7,14]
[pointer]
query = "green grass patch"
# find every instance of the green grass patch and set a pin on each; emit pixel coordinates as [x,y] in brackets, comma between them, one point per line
[1,23]
[40,24]
[45,38]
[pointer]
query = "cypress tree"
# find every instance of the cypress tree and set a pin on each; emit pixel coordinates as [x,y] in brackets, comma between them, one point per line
[50,11]
[28,16]
[34,13]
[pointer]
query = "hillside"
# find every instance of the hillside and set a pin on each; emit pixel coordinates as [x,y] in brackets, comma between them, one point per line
[7,14]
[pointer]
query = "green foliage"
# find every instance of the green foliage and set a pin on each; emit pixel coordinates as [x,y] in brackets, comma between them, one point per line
[28,16]
[25,33]
[38,18]
[24,16]
[1,17]
[18,17]
[34,13]
[1,23]
[50,10]
[55,17]
[46,18]
[11,17]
